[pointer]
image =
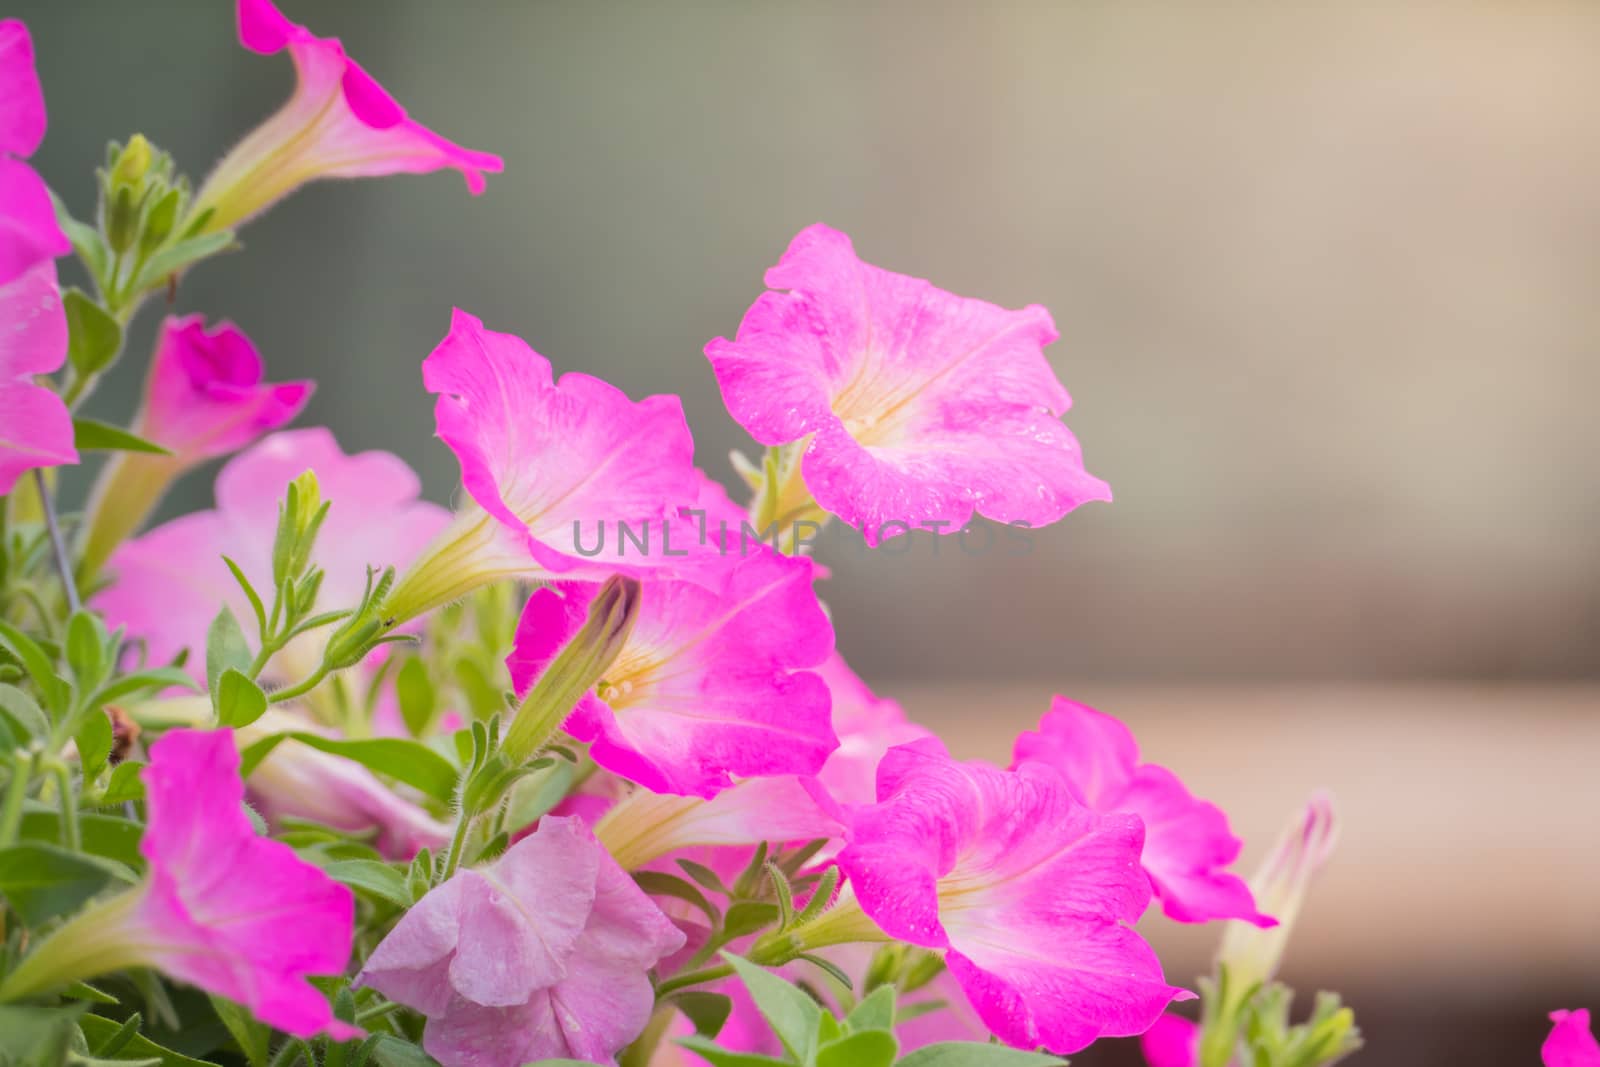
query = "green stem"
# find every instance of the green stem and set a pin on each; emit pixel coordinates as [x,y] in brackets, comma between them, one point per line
[300,688]
[458,845]
[16,793]
[693,978]
[58,547]
[69,806]
[644,1046]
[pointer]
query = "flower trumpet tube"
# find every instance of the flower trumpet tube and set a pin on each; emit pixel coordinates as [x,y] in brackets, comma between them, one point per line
[339,123]
[235,914]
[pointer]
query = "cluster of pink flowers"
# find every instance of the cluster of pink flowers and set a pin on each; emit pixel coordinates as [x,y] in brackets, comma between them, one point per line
[712,713]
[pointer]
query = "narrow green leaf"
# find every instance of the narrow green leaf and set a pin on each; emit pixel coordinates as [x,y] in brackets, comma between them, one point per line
[39,665]
[86,241]
[92,435]
[870,1048]
[794,1017]
[705,876]
[98,1030]
[139,681]
[252,1037]
[87,654]
[174,258]
[42,882]
[746,917]
[125,784]
[411,762]
[391,1051]
[85,991]
[974,1054]
[661,884]
[107,836]
[832,969]
[783,894]
[93,336]
[225,647]
[718,1056]
[256,606]
[238,701]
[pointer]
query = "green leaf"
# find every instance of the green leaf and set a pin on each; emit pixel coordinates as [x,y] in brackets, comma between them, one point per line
[31,1035]
[106,836]
[833,970]
[391,1051]
[98,1030]
[85,991]
[256,606]
[86,241]
[251,1036]
[794,1017]
[23,714]
[411,762]
[87,655]
[870,1048]
[784,895]
[746,917]
[39,665]
[708,1011]
[975,1054]
[93,336]
[94,738]
[718,1056]
[419,702]
[238,700]
[42,881]
[125,783]
[874,1012]
[174,258]
[705,876]
[373,878]
[661,884]
[92,435]
[225,647]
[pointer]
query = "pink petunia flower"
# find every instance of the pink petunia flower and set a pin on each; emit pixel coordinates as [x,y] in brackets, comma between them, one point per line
[1172,1042]
[35,426]
[340,123]
[868,726]
[916,406]
[219,907]
[1571,1043]
[544,953]
[170,581]
[203,398]
[711,682]
[555,468]
[1187,844]
[1027,891]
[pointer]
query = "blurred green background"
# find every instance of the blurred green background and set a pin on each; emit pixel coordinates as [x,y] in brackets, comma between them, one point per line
[1326,277]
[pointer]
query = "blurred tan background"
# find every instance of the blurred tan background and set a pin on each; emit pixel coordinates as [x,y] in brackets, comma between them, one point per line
[1327,282]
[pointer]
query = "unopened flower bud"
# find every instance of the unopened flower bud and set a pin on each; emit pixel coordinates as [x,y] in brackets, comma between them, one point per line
[132,163]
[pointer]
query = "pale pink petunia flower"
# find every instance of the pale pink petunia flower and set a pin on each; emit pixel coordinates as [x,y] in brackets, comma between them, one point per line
[1187,844]
[1571,1043]
[1026,890]
[169,582]
[544,953]
[1172,1042]
[339,123]
[917,406]
[35,426]
[713,682]
[221,908]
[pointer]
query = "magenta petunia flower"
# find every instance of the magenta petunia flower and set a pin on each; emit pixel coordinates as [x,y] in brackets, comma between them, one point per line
[1025,888]
[555,467]
[35,426]
[340,123]
[169,582]
[221,908]
[204,396]
[917,406]
[1172,1042]
[712,682]
[1571,1043]
[544,953]
[1187,844]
